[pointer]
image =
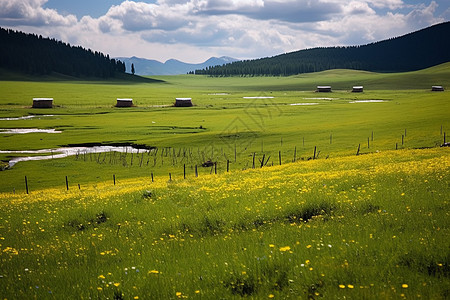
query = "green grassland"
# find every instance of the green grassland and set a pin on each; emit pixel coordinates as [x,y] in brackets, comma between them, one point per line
[367,226]
[360,227]
[222,125]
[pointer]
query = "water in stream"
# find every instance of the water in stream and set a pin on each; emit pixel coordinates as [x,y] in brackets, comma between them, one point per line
[68,151]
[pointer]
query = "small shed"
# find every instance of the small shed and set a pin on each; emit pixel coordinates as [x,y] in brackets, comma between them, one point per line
[358,89]
[183,102]
[437,88]
[324,89]
[121,102]
[42,102]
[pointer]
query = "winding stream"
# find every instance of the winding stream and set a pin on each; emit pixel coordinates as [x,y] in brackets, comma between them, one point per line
[25,117]
[27,130]
[68,151]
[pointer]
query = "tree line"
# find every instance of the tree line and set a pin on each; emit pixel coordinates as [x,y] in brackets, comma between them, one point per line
[35,55]
[414,51]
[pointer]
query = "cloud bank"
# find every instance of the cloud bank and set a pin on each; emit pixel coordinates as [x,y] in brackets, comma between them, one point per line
[194,30]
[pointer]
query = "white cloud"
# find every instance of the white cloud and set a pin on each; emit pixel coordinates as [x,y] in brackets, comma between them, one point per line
[357,8]
[136,16]
[283,10]
[423,16]
[228,6]
[31,12]
[391,4]
[369,27]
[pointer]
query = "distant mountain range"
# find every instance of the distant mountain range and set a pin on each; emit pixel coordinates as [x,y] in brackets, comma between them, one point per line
[414,51]
[144,66]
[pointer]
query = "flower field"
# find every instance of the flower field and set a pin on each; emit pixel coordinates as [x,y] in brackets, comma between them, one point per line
[360,227]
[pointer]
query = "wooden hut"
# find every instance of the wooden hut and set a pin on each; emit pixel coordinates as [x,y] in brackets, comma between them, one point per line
[183,102]
[437,88]
[42,102]
[358,89]
[121,102]
[324,89]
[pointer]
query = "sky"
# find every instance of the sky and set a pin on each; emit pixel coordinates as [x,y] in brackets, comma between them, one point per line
[195,30]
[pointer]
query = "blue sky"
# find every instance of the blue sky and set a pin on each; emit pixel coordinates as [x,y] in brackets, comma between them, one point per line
[194,30]
[80,8]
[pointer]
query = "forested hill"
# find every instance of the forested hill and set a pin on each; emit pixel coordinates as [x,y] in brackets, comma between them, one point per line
[32,54]
[414,51]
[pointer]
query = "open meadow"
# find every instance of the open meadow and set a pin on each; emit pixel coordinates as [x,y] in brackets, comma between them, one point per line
[303,194]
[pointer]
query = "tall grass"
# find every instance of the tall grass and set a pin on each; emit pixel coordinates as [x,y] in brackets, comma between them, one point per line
[372,226]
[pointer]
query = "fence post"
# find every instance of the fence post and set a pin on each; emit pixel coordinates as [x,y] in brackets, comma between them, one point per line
[152,176]
[315,149]
[253,165]
[228,166]
[262,161]
[184,171]
[295,153]
[114,179]
[26,184]
[359,148]
[67,183]
[196,171]
[279,156]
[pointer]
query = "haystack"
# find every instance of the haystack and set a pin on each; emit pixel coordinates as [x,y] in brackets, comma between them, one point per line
[324,89]
[121,102]
[358,89]
[183,102]
[437,88]
[42,102]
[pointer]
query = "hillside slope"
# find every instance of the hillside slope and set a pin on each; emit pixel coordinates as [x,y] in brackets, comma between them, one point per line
[414,51]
